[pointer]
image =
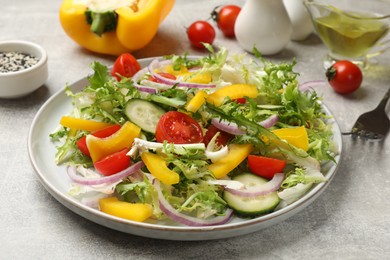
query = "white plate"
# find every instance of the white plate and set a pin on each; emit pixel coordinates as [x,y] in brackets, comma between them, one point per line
[55,180]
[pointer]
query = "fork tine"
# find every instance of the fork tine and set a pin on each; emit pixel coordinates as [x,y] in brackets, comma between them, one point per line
[367,135]
[374,124]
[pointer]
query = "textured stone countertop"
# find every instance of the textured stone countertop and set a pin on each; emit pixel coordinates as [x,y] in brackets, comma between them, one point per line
[349,220]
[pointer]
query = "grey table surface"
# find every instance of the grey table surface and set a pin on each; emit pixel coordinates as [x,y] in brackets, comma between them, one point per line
[350,220]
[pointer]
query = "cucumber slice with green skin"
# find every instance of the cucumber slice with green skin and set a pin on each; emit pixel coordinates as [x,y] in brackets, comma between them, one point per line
[143,113]
[252,206]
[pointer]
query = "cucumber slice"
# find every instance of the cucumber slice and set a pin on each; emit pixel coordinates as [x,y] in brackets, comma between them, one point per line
[251,207]
[143,113]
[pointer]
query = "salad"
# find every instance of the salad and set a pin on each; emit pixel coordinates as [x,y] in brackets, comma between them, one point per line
[193,141]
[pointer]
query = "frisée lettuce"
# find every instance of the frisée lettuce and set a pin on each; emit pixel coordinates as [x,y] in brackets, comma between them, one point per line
[197,198]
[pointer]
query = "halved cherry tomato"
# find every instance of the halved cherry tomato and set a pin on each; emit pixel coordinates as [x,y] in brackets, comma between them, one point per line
[222,139]
[82,143]
[264,166]
[113,163]
[200,32]
[125,65]
[163,74]
[226,18]
[179,128]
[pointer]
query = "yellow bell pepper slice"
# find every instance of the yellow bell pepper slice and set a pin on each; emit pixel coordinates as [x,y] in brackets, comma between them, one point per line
[196,102]
[233,92]
[101,147]
[197,77]
[159,169]
[237,154]
[189,76]
[169,69]
[136,25]
[132,211]
[296,136]
[83,124]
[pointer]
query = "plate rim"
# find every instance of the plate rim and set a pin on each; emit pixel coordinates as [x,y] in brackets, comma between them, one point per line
[181,232]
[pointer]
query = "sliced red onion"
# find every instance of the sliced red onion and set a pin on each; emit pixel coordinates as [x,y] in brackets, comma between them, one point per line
[270,121]
[103,180]
[217,155]
[226,126]
[271,186]
[194,69]
[172,213]
[145,89]
[137,77]
[156,64]
[310,84]
[234,129]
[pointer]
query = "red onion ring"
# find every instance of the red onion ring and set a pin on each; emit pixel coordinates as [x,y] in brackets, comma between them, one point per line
[309,84]
[270,121]
[156,64]
[145,89]
[270,186]
[137,76]
[103,180]
[172,213]
[234,129]
[226,126]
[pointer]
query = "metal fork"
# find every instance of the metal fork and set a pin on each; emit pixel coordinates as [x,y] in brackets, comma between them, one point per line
[372,125]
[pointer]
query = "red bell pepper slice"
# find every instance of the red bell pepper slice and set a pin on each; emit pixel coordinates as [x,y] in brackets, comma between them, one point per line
[264,166]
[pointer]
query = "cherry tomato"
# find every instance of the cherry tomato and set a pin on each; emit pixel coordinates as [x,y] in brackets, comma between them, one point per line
[200,32]
[179,128]
[344,76]
[163,74]
[113,163]
[222,139]
[226,18]
[125,65]
[264,166]
[106,132]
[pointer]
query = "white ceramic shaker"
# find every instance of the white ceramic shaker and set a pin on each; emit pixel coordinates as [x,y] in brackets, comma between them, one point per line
[264,24]
[302,25]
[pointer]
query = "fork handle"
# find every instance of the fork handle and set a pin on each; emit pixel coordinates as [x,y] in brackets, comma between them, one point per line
[382,104]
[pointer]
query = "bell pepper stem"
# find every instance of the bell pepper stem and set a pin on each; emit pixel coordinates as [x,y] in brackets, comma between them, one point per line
[101,22]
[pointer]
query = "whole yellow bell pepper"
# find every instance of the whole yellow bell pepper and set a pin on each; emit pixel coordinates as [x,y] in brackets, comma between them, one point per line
[233,92]
[114,32]
[132,211]
[237,154]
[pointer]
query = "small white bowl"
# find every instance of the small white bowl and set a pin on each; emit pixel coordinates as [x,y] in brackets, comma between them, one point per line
[19,83]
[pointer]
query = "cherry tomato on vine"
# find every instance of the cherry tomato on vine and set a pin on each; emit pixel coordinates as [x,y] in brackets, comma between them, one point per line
[178,128]
[125,65]
[201,32]
[344,76]
[226,18]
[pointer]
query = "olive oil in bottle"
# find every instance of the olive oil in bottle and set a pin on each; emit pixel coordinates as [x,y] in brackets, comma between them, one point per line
[349,36]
